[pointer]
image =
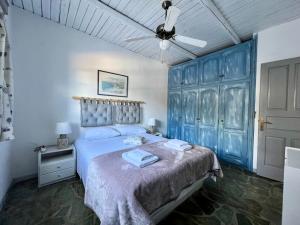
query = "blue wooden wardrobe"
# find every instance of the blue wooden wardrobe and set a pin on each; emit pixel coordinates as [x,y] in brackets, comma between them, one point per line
[211,102]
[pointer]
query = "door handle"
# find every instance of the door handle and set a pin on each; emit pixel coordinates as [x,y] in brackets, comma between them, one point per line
[262,123]
[267,122]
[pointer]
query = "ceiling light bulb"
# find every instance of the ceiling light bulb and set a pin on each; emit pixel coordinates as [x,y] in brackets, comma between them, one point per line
[164,44]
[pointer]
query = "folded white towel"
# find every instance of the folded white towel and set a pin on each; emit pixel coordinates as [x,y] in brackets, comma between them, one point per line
[140,164]
[134,140]
[138,155]
[181,148]
[177,142]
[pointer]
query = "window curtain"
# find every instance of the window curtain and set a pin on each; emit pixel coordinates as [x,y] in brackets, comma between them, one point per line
[6,89]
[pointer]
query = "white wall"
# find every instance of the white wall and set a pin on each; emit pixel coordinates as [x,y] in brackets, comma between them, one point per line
[276,43]
[52,63]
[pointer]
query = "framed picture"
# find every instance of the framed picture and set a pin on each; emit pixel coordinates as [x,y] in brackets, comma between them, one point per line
[112,84]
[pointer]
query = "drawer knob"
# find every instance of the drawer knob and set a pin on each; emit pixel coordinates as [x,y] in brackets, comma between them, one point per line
[58,175]
[58,167]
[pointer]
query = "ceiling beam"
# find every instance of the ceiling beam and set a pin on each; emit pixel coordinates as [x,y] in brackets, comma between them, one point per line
[131,22]
[210,5]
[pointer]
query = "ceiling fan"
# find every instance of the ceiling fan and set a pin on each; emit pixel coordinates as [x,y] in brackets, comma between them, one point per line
[166,31]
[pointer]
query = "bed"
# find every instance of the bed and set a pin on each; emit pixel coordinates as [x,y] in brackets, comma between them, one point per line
[122,194]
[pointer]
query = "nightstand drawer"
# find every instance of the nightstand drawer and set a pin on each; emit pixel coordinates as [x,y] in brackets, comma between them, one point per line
[55,166]
[55,176]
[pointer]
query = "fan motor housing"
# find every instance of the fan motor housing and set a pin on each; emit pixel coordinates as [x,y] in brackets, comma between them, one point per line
[166,4]
[164,35]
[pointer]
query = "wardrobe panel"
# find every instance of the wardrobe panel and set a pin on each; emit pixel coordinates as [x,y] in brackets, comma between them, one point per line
[175,77]
[237,62]
[234,99]
[233,122]
[208,117]
[190,75]
[211,69]
[174,114]
[189,134]
[189,114]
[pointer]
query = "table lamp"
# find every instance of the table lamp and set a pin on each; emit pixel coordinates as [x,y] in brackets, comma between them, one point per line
[63,129]
[152,124]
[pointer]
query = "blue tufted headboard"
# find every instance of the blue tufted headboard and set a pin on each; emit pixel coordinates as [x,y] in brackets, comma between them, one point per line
[103,112]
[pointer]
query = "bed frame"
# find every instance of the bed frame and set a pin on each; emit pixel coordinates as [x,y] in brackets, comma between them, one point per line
[162,212]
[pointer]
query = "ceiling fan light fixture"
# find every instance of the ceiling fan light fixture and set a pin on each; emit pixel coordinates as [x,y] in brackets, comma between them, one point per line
[164,44]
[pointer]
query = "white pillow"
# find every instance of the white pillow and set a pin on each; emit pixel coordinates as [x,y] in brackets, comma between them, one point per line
[130,129]
[96,133]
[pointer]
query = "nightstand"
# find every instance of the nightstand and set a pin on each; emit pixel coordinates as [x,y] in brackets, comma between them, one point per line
[55,165]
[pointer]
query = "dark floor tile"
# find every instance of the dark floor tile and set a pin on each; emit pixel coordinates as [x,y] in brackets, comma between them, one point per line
[240,198]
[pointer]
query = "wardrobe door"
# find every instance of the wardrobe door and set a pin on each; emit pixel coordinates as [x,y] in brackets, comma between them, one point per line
[175,77]
[189,115]
[190,74]
[233,123]
[208,117]
[174,114]
[211,69]
[236,62]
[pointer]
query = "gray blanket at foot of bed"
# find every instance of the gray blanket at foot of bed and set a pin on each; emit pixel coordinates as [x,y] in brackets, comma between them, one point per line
[122,194]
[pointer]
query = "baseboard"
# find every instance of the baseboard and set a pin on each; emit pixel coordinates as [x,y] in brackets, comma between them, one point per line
[24,178]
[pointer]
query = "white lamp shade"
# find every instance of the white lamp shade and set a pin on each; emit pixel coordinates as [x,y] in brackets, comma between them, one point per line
[63,128]
[152,122]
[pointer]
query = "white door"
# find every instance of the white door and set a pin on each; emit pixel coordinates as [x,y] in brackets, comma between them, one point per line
[279,116]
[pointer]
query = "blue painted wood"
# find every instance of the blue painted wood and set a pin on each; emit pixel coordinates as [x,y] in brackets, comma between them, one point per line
[236,62]
[220,116]
[208,117]
[233,122]
[175,77]
[190,76]
[211,69]
[174,114]
[189,114]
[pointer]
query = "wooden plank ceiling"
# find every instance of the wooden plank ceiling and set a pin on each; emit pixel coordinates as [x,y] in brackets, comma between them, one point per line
[245,17]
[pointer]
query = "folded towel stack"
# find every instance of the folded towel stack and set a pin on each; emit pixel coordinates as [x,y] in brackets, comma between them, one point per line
[140,158]
[134,140]
[178,145]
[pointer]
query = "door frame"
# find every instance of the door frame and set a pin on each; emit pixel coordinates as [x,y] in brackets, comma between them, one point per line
[252,96]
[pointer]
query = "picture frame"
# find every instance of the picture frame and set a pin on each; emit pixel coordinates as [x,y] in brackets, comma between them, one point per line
[112,84]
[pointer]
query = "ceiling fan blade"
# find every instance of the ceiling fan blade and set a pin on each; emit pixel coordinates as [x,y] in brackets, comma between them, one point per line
[139,38]
[190,41]
[172,15]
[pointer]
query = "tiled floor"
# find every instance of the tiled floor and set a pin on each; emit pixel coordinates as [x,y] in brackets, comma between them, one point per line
[239,198]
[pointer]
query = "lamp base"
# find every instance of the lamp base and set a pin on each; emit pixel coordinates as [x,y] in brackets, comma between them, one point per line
[62,141]
[152,129]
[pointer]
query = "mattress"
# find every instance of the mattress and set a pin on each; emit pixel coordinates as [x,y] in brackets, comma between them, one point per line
[87,150]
